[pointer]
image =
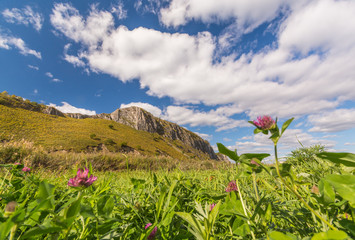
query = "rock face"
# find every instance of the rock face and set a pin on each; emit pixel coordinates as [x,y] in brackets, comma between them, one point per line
[53,111]
[140,119]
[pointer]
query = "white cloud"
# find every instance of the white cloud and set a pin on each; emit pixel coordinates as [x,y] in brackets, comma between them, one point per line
[33,67]
[205,136]
[290,140]
[349,144]
[146,106]
[67,108]
[333,121]
[247,14]
[119,10]
[56,80]
[187,116]
[48,74]
[305,72]
[24,16]
[35,91]
[7,42]
[75,60]
[67,20]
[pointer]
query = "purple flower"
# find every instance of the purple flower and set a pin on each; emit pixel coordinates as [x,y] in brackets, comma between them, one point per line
[153,233]
[81,179]
[232,186]
[26,169]
[212,206]
[264,123]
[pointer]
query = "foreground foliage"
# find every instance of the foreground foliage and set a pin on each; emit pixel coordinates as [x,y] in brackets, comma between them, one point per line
[311,198]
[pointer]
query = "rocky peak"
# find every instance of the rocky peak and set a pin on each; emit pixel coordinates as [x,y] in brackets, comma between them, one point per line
[140,119]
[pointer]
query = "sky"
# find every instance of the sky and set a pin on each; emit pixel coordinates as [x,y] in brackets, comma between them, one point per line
[209,66]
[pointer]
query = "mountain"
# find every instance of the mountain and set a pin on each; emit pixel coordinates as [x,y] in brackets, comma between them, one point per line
[127,130]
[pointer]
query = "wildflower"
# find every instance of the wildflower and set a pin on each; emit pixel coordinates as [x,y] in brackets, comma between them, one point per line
[26,169]
[232,186]
[153,233]
[17,163]
[264,123]
[254,162]
[10,208]
[81,179]
[315,189]
[212,206]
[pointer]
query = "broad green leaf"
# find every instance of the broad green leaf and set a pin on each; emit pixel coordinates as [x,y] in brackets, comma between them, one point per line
[344,185]
[46,191]
[249,156]
[240,227]
[105,205]
[285,125]
[42,229]
[326,191]
[73,209]
[347,159]
[331,234]
[275,235]
[229,153]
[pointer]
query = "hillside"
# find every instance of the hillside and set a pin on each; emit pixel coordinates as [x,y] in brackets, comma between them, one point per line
[21,119]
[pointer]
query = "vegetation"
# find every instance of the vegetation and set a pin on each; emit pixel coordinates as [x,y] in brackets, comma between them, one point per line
[310,196]
[56,133]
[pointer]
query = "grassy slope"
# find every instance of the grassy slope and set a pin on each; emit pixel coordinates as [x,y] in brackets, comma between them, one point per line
[64,133]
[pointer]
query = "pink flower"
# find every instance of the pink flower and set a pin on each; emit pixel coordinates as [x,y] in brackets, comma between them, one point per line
[232,186]
[212,206]
[26,169]
[153,233]
[264,123]
[81,179]
[254,162]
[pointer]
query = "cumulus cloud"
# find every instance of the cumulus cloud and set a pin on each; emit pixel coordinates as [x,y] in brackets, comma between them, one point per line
[67,108]
[8,42]
[304,72]
[333,121]
[48,74]
[146,106]
[290,140]
[218,118]
[247,14]
[24,16]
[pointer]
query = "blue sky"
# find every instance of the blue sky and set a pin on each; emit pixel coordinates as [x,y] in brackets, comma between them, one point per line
[207,65]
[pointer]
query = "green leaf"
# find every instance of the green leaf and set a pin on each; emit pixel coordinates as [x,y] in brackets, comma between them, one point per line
[105,205]
[249,156]
[275,235]
[286,124]
[198,229]
[229,153]
[347,159]
[331,234]
[348,225]
[46,191]
[326,191]
[42,229]
[344,185]
[73,209]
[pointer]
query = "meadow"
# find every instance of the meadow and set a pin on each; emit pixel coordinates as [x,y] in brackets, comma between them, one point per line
[310,195]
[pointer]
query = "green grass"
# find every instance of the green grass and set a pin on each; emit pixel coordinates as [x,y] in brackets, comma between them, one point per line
[84,135]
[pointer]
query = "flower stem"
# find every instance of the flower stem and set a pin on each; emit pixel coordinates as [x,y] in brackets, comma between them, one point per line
[255,187]
[296,194]
[245,211]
